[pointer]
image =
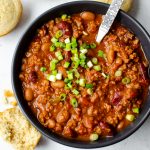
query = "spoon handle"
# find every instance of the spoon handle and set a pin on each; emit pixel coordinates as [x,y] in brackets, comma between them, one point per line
[108,19]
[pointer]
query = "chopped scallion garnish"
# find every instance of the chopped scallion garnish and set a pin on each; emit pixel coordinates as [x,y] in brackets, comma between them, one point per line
[100,53]
[94,60]
[94,137]
[53,64]
[82,82]
[42,69]
[118,73]
[97,68]
[51,78]
[136,110]
[67,40]
[63,97]
[59,55]
[130,117]
[89,64]
[84,51]
[66,64]
[70,75]
[54,40]
[58,34]
[76,92]
[90,91]
[68,47]
[74,102]
[59,76]
[89,86]
[64,16]
[93,45]
[52,48]
[126,80]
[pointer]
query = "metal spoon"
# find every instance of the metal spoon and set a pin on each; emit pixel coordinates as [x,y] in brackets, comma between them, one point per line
[108,19]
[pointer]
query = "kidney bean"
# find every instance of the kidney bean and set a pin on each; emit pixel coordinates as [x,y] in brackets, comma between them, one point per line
[116,99]
[32,77]
[28,94]
[89,16]
[58,84]
[65,27]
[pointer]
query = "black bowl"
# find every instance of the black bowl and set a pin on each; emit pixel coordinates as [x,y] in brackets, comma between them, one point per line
[70,8]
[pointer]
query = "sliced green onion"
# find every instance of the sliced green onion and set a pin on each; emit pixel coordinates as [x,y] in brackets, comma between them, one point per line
[83,51]
[52,48]
[64,16]
[100,53]
[89,64]
[76,64]
[69,84]
[58,34]
[94,60]
[97,68]
[118,73]
[62,45]
[53,64]
[74,102]
[82,63]
[104,75]
[126,80]
[94,137]
[89,86]
[73,42]
[66,64]
[74,51]
[59,55]
[93,45]
[54,72]
[59,76]
[130,117]
[76,73]
[54,40]
[63,97]
[76,92]
[70,75]
[84,46]
[136,110]
[51,78]
[57,44]
[90,91]
[66,80]
[82,56]
[82,82]
[42,69]
[68,47]
[67,40]
[77,81]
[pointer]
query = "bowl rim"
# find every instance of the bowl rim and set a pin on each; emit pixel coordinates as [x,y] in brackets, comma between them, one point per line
[67,143]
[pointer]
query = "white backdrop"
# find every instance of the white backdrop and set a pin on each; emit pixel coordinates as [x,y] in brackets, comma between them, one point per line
[33,8]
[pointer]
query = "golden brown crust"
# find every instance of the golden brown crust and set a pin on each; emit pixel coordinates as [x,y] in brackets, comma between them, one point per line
[10,14]
[15,129]
[126,6]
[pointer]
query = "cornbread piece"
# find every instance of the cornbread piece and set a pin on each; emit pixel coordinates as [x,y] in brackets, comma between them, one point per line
[126,6]
[15,129]
[10,14]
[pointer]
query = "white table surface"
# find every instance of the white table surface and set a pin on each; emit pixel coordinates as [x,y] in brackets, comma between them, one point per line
[33,8]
